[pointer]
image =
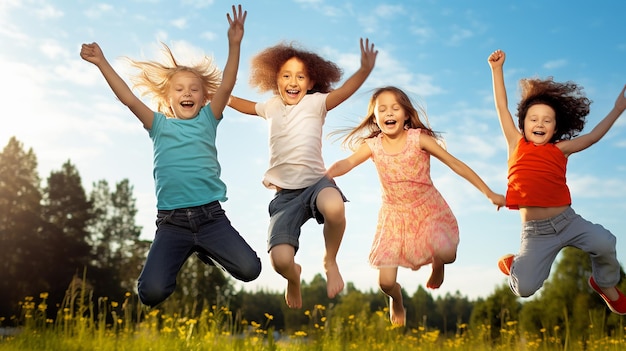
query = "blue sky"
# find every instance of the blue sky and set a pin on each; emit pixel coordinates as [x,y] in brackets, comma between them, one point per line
[61,107]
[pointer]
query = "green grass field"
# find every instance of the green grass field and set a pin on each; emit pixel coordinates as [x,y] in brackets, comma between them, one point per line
[123,327]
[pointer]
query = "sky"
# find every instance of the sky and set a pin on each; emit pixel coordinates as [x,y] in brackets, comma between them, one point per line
[60,106]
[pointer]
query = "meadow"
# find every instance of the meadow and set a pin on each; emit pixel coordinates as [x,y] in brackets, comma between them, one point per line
[130,326]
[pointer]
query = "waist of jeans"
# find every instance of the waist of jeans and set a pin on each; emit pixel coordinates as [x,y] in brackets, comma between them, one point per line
[208,207]
[552,222]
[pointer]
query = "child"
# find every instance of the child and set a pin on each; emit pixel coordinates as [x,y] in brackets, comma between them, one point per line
[550,116]
[415,225]
[301,82]
[186,170]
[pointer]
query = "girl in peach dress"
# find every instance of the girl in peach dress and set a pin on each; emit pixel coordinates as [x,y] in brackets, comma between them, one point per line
[415,224]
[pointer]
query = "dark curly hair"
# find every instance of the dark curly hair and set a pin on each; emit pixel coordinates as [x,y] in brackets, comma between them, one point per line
[266,64]
[568,101]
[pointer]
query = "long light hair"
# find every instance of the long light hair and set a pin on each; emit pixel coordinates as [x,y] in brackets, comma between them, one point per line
[368,128]
[154,77]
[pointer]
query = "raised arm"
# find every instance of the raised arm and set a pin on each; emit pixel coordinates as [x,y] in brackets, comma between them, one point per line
[352,84]
[344,166]
[235,35]
[510,131]
[586,140]
[429,144]
[92,53]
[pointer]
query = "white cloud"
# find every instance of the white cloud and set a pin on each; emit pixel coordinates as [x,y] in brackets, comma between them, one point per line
[48,11]
[459,35]
[180,23]
[52,50]
[97,10]
[555,64]
[388,11]
[198,3]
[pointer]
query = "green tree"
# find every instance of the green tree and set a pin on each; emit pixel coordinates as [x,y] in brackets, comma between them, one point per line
[491,315]
[21,247]
[114,238]
[423,306]
[66,212]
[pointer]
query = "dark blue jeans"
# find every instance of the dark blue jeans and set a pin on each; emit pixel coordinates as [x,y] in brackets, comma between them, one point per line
[180,233]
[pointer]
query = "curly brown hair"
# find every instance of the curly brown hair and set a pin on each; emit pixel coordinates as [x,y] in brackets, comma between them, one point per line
[568,101]
[368,128]
[154,77]
[266,64]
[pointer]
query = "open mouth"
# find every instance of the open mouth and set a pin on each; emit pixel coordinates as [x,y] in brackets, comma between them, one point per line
[390,122]
[292,92]
[187,104]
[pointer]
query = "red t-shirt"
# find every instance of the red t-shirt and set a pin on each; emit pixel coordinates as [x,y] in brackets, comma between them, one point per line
[537,176]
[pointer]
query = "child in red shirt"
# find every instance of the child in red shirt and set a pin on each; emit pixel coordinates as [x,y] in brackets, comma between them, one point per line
[550,116]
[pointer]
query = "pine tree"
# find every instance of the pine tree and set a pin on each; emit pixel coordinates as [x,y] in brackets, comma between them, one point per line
[20,226]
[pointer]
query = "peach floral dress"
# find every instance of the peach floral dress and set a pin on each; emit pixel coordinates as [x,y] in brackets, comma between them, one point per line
[414,221]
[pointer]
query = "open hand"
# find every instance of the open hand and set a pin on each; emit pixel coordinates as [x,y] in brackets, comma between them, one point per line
[235,23]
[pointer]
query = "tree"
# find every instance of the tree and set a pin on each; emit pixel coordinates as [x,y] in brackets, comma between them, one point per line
[114,239]
[493,314]
[424,306]
[66,212]
[20,225]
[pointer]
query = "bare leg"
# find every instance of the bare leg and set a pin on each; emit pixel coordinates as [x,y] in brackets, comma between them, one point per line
[331,206]
[282,257]
[436,277]
[387,281]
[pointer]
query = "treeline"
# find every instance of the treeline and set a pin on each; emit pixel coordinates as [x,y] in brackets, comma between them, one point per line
[53,233]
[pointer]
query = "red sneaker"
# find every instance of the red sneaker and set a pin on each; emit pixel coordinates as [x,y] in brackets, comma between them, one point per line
[617,306]
[505,262]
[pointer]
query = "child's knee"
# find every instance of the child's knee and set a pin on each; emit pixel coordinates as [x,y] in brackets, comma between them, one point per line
[249,271]
[152,296]
[281,260]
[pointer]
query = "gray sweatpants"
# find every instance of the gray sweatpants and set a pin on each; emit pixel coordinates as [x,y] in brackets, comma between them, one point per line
[543,239]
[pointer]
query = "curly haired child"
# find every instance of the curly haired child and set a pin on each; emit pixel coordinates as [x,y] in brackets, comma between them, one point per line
[550,117]
[301,82]
[190,102]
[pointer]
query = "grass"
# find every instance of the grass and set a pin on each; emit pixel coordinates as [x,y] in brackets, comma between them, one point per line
[129,326]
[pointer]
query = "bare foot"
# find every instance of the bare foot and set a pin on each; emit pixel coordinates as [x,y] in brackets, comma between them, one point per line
[436,277]
[293,297]
[334,281]
[397,313]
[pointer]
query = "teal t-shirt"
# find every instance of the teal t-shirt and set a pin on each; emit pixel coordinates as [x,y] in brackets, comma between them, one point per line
[186,169]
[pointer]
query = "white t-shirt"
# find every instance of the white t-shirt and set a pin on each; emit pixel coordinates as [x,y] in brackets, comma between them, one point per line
[295,141]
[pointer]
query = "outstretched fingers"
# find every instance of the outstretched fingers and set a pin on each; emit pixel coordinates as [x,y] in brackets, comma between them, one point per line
[239,15]
[368,53]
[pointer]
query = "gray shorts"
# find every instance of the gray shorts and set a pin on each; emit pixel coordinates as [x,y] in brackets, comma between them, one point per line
[542,240]
[290,209]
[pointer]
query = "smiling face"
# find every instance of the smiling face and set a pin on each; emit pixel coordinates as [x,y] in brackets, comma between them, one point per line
[293,81]
[186,95]
[390,115]
[539,124]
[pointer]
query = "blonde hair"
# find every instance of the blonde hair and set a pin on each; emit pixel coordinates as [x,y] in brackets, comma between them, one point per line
[369,129]
[154,77]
